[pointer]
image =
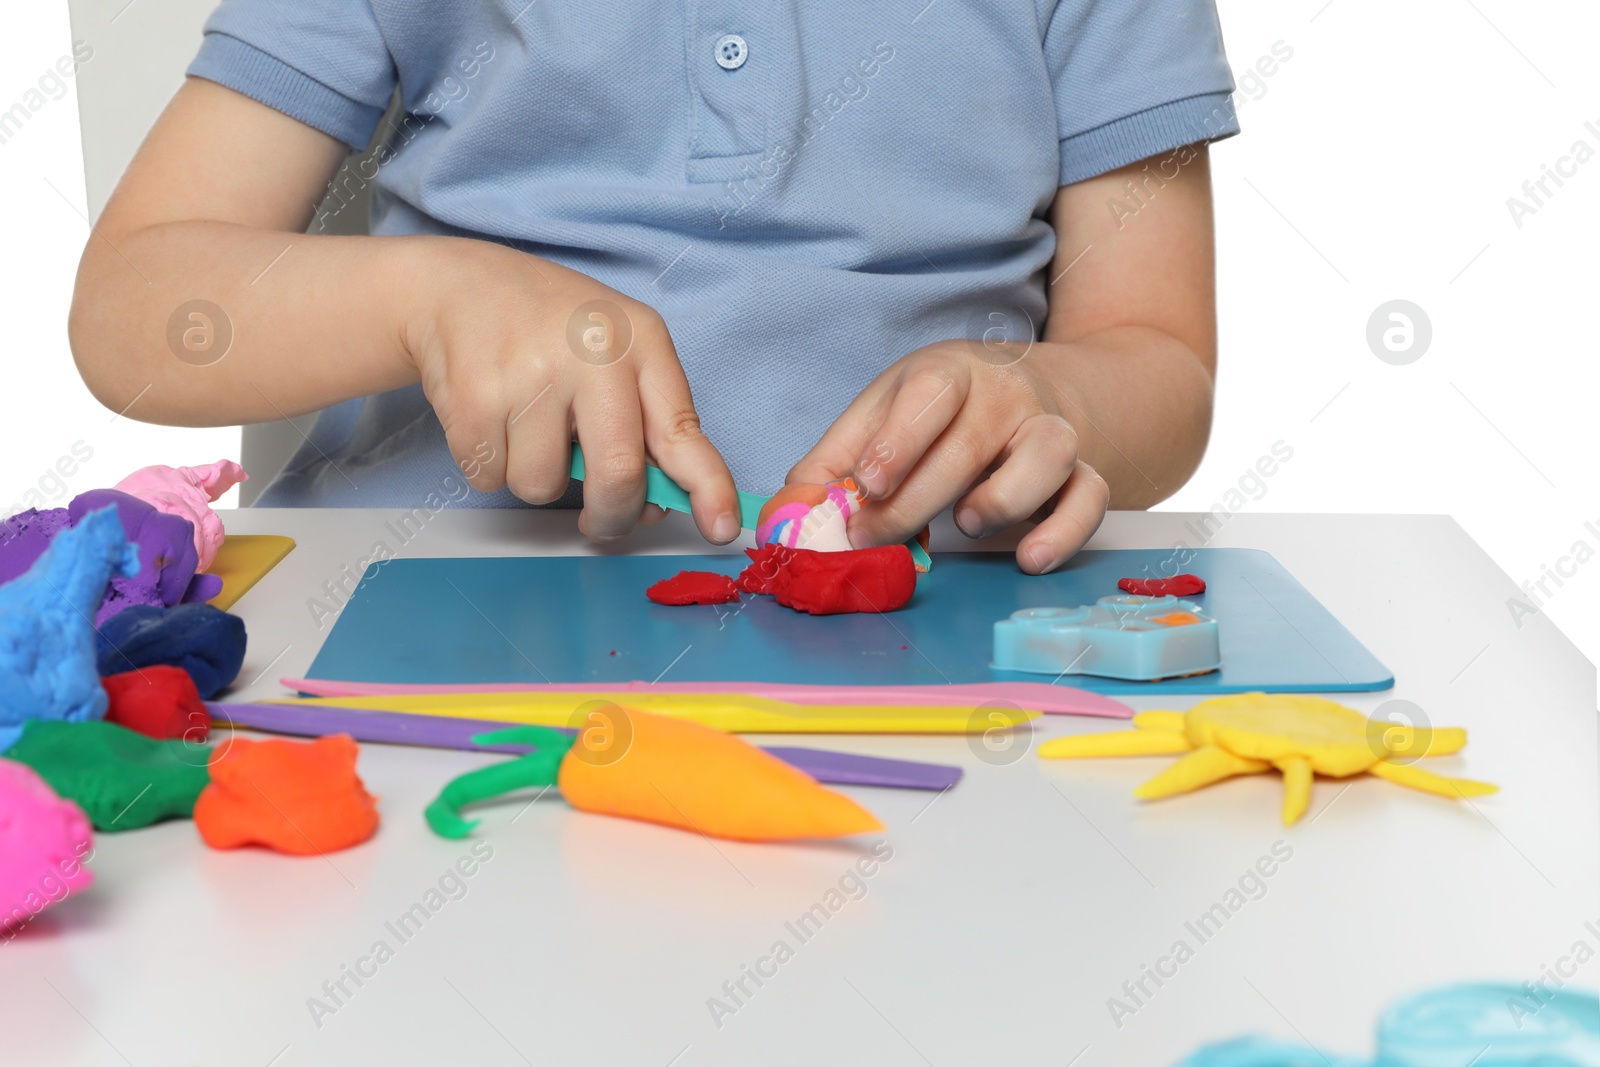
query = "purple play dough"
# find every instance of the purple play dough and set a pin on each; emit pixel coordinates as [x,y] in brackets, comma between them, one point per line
[25,536]
[167,556]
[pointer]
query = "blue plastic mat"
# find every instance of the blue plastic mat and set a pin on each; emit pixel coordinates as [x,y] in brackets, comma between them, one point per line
[585,620]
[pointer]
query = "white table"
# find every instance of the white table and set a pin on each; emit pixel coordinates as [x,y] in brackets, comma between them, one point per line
[1012,909]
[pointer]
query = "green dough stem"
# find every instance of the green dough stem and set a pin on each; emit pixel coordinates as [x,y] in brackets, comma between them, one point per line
[121,779]
[537,768]
[663,492]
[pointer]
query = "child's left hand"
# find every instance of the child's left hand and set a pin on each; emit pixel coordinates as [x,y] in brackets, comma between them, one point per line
[947,425]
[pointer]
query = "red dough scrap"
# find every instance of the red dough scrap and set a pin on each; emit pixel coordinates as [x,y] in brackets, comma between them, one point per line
[1181,585]
[694,587]
[290,796]
[159,701]
[832,583]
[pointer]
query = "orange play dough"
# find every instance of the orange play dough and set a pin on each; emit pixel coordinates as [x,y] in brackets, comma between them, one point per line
[296,797]
[679,773]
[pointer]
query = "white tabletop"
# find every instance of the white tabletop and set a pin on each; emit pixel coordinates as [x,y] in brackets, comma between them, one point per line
[1009,912]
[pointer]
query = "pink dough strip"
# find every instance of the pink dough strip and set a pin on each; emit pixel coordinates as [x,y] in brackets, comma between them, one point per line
[1030,696]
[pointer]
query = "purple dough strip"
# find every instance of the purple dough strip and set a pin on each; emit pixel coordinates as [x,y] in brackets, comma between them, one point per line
[386,727]
[847,768]
[442,731]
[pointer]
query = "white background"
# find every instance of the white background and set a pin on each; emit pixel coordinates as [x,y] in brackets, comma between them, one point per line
[1376,165]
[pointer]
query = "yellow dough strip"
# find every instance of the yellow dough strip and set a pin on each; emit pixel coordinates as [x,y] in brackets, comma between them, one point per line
[1414,777]
[1160,720]
[1296,787]
[1198,769]
[1124,743]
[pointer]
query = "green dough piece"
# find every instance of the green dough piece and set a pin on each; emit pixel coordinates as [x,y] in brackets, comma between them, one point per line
[121,779]
[539,767]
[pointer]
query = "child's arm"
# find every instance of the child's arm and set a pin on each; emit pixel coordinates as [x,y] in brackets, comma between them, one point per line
[1111,407]
[214,208]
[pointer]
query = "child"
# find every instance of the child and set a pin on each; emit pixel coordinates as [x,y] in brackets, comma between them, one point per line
[976,238]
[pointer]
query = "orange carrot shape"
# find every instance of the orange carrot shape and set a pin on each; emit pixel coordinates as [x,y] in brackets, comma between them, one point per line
[637,765]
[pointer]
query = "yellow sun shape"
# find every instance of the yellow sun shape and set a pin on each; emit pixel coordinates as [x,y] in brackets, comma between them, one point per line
[1254,732]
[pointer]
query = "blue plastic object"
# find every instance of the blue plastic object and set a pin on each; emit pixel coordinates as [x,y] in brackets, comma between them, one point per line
[559,619]
[47,661]
[1492,1026]
[1480,1025]
[1134,638]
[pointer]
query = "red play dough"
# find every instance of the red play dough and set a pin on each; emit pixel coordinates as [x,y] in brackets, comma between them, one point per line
[158,701]
[291,796]
[694,587]
[1182,585]
[832,583]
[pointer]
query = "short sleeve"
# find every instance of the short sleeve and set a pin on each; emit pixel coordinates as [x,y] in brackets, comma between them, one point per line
[323,62]
[1133,80]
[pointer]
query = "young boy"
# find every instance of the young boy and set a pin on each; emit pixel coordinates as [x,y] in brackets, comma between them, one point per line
[968,243]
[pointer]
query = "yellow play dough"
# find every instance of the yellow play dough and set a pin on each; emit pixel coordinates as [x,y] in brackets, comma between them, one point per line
[1301,736]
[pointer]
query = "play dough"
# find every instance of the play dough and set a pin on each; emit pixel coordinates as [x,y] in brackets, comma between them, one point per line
[635,765]
[158,701]
[1249,733]
[810,516]
[832,583]
[1179,585]
[43,841]
[47,646]
[207,643]
[290,796]
[1041,696]
[121,780]
[25,536]
[167,556]
[188,493]
[694,587]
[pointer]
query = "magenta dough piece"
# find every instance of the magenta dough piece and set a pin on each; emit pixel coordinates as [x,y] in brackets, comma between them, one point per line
[43,842]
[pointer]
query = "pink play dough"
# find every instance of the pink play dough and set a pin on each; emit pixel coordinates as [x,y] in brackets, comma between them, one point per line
[1035,696]
[43,841]
[188,492]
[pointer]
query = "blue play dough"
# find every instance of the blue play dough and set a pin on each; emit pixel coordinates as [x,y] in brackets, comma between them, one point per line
[47,642]
[1484,1025]
[207,643]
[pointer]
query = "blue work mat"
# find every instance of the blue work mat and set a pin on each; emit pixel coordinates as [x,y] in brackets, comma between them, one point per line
[585,620]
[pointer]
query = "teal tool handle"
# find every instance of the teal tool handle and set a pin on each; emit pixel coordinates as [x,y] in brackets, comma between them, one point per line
[663,492]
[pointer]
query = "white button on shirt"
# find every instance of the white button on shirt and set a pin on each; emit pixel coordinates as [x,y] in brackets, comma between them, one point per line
[731,51]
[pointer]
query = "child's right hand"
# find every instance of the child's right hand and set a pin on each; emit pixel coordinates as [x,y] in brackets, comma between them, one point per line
[524,356]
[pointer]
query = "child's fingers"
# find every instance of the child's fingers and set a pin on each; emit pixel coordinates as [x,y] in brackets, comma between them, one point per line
[539,440]
[1041,455]
[1080,508]
[672,433]
[475,431]
[961,455]
[927,398]
[835,453]
[610,429]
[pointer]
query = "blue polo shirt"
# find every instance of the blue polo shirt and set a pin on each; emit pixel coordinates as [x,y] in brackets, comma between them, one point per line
[806,192]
